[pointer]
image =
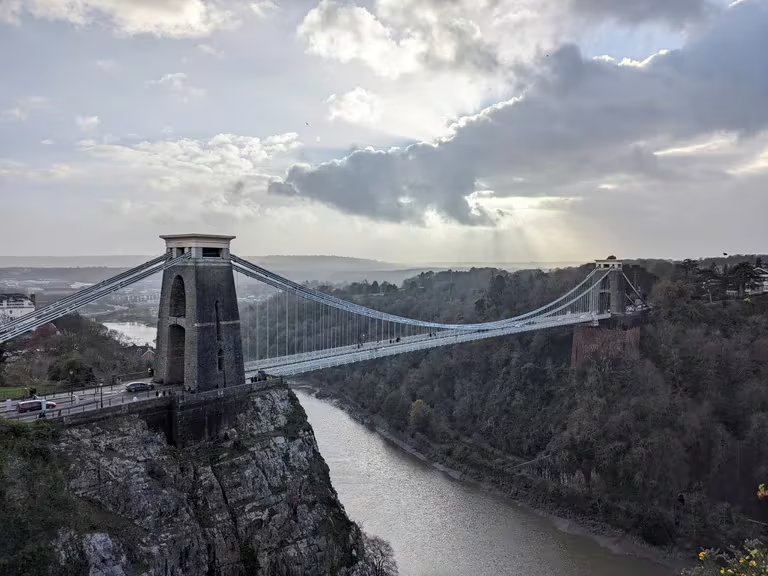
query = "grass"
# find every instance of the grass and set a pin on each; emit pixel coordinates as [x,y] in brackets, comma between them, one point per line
[19,392]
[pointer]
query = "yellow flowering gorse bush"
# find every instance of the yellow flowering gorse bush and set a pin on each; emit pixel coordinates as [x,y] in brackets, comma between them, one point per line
[752,560]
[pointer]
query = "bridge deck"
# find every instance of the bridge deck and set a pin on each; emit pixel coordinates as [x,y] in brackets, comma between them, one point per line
[328,358]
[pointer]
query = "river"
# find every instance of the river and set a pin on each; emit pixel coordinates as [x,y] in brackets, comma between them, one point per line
[442,527]
[135,332]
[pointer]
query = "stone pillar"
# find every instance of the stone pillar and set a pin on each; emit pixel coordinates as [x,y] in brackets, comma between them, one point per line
[198,327]
[615,285]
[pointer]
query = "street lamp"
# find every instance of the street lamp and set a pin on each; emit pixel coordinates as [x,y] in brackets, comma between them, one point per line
[101,392]
[71,384]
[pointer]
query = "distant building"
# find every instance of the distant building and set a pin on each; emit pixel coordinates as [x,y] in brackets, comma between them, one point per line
[761,283]
[13,306]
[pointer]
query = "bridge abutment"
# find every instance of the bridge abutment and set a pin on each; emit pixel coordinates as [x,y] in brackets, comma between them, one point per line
[184,419]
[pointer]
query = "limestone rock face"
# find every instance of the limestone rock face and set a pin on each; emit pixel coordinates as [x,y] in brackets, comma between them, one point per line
[256,501]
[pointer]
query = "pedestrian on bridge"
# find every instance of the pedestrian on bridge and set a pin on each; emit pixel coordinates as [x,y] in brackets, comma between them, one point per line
[8,405]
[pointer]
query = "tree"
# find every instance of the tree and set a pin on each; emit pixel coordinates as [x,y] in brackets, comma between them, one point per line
[689,268]
[743,275]
[419,416]
[378,559]
[716,280]
[670,293]
[71,369]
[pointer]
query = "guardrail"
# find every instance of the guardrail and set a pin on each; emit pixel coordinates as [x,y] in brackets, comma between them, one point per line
[91,401]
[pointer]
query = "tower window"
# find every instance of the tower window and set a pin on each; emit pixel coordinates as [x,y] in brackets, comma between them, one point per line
[220,362]
[211,252]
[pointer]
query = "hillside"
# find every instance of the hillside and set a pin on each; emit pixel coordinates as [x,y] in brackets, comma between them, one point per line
[666,441]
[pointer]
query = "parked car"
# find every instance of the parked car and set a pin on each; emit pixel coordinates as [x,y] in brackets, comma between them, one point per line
[34,405]
[139,387]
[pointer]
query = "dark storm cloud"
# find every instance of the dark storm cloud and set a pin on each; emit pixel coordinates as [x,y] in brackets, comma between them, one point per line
[579,121]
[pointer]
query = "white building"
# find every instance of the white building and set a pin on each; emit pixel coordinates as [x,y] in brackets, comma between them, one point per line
[13,306]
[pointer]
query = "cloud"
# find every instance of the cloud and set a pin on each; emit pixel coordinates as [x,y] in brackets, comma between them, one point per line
[107,66]
[210,50]
[478,37]
[168,18]
[403,37]
[10,11]
[225,157]
[87,123]
[264,8]
[20,171]
[47,142]
[578,124]
[357,106]
[226,174]
[178,85]
[23,107]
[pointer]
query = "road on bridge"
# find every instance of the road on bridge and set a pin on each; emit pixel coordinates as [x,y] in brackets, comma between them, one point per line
[86,400]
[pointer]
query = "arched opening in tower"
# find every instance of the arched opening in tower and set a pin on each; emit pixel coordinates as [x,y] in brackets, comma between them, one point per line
[176,346]
[178,304]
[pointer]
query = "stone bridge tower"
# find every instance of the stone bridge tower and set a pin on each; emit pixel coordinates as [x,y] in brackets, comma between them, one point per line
[614,287]
[198,326]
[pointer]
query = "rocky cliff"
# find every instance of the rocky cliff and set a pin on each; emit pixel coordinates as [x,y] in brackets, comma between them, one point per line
[257,500]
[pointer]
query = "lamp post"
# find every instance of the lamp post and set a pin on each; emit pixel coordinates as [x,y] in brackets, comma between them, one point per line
[101,393]
[71,384]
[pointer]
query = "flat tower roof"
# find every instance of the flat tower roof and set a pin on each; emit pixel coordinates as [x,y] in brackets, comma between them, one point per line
[195,235]
[197,240]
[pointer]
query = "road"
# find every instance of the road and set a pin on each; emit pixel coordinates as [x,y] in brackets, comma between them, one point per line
[87,400]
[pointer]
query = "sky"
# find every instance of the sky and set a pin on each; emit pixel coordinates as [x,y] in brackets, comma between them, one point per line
[410,131]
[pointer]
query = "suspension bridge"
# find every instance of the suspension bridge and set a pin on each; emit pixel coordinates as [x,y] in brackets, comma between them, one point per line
[297,329]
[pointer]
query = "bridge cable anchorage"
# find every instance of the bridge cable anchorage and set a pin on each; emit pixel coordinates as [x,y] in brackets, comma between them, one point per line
[86,296]
[271,279]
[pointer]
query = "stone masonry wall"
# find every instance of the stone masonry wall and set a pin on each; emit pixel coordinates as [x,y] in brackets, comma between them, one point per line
[600,342]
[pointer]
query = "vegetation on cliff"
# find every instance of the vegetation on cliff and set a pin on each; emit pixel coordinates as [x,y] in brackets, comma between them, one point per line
[112,497]
[35,503]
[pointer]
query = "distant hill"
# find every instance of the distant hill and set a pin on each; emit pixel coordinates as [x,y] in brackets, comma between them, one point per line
[128,261]
[334,269]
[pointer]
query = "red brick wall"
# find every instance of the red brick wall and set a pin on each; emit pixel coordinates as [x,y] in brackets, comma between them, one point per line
[602,343]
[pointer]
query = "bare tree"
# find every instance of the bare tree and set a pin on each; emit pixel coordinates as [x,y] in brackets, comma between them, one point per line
[378,559]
